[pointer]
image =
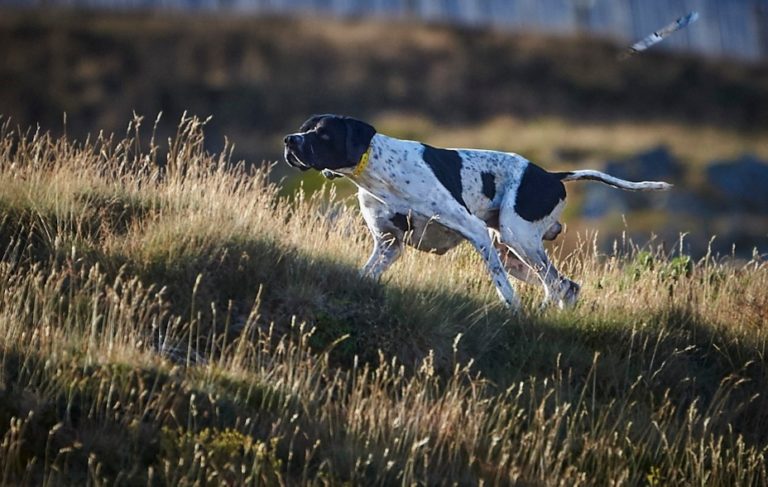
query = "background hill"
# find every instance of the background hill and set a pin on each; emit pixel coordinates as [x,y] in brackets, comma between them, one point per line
[562,102]
[727,29]
[262,75]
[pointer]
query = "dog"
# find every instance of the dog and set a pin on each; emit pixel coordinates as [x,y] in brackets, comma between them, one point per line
[433,199]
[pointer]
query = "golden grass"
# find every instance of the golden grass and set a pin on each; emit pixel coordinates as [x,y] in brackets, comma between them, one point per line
[167,319]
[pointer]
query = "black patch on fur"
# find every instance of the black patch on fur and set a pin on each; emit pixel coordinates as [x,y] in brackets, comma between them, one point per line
[489,185]
[446,164]
[538,194]
[400,221]
[359,135]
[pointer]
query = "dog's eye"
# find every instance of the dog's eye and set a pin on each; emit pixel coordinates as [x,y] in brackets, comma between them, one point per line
[323,135]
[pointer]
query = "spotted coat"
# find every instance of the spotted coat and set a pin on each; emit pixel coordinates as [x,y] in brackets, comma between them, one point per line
[432,199]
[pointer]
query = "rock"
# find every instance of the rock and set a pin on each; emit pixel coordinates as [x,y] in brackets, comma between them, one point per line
[688,202]
[740,184]
[657,164]
[600,200]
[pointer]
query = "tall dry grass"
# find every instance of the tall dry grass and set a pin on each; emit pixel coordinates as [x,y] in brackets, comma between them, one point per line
[167,318]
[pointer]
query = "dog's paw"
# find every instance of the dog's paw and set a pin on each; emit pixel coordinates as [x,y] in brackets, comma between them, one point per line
[513,304]
[330,174]
[570,294]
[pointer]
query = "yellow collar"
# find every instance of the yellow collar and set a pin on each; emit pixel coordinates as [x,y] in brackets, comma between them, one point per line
[363,163]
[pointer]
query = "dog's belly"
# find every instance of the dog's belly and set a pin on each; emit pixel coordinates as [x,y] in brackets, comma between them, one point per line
[430,236]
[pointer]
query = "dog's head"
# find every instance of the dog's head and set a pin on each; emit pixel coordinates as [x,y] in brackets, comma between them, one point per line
[328,142]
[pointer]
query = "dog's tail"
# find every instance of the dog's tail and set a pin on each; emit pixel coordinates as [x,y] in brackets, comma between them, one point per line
[592,175]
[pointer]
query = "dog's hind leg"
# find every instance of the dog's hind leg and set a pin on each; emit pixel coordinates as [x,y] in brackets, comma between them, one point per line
[524,238]
[556,286]
[514,266]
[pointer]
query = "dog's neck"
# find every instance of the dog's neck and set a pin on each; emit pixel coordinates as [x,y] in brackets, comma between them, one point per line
[377,175]
[362,164]
[373,160]
[370,158]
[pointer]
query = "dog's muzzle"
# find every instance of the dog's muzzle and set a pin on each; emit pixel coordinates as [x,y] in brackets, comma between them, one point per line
[292,149]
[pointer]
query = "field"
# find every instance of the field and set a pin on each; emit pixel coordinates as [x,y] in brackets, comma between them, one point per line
[167,318]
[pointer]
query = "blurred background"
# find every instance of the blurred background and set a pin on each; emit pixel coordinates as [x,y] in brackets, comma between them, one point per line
[536,77]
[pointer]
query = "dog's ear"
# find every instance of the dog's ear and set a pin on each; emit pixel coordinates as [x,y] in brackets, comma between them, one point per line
[359,135]
[310,123]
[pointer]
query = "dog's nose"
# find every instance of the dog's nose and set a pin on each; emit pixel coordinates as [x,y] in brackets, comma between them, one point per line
[289,140]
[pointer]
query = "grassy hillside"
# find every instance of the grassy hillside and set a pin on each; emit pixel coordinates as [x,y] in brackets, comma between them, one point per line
[181,323]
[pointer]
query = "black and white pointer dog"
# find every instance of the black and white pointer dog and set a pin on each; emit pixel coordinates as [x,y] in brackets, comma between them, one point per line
[434,198]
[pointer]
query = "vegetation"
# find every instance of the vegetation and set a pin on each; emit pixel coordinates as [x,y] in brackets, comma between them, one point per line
[261,76]
[166,318]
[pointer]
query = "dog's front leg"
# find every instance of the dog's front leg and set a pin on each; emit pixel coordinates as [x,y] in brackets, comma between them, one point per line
[386,250]
[485,247]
